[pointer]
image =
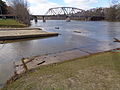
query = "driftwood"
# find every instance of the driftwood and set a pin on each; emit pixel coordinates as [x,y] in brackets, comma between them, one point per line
[116,40]
[77,31]
[41,63]
[24,64]
[57,28]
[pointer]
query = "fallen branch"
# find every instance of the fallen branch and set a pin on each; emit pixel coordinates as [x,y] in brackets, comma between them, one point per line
[41,63]
[116,40]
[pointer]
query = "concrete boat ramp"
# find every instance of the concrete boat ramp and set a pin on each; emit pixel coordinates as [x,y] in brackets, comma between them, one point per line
[23,33]
[25,64]
[29,63]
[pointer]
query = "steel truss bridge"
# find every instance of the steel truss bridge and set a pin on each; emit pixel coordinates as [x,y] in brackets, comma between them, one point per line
[63,13]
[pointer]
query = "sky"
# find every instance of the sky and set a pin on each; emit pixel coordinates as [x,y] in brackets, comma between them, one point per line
[40,7]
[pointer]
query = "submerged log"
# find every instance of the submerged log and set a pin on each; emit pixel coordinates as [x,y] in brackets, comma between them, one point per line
[116,40]
[77,31]
[57,28]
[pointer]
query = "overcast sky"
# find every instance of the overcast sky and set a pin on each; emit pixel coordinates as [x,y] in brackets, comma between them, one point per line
[41,6]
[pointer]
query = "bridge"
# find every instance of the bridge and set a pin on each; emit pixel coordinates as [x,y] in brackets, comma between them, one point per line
[62,13]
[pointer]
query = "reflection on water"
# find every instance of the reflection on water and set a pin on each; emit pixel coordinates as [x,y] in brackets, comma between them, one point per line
[95,36]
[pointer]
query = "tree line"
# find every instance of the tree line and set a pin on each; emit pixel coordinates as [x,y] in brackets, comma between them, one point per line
[111,14]
[18,8]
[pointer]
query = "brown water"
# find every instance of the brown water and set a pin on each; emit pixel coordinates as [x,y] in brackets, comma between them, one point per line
[94,37]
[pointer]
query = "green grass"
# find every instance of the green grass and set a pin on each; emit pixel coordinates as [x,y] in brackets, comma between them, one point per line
[95,72]
[10,23]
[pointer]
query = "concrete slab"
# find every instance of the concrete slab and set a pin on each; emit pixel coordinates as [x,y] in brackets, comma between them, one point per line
[3,29]
[22,34]
[49,59]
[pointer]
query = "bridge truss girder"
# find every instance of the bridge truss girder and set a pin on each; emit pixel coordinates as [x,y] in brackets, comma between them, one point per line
[63,11]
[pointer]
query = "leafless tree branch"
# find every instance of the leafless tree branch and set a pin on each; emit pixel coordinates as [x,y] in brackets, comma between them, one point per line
[21,11]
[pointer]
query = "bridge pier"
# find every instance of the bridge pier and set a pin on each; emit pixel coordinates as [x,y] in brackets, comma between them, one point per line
[44,20]
[68,19]
[35,18]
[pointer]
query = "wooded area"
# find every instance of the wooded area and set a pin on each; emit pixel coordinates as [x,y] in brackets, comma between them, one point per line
[111,13]
[17,8]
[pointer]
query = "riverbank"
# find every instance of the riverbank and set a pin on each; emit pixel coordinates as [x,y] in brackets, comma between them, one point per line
[23,33]
[98,71]
[10,23]
[36,61]
[66,41]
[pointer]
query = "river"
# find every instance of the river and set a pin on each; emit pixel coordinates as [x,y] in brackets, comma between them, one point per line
[95,36]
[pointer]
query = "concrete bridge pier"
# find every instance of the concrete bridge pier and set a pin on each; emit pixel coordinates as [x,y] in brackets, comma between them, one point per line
[68,19]
[35,18]
[44,20]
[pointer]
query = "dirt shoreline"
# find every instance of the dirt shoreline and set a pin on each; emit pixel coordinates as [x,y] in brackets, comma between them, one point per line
[33,62]
[48,59]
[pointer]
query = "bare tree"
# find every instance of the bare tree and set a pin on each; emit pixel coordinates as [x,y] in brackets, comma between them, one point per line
[21,11]
[114,2]
[113,13]
[118,11]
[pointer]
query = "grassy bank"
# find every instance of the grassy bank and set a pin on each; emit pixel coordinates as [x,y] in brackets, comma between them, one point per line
[10,23]
[95,72]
